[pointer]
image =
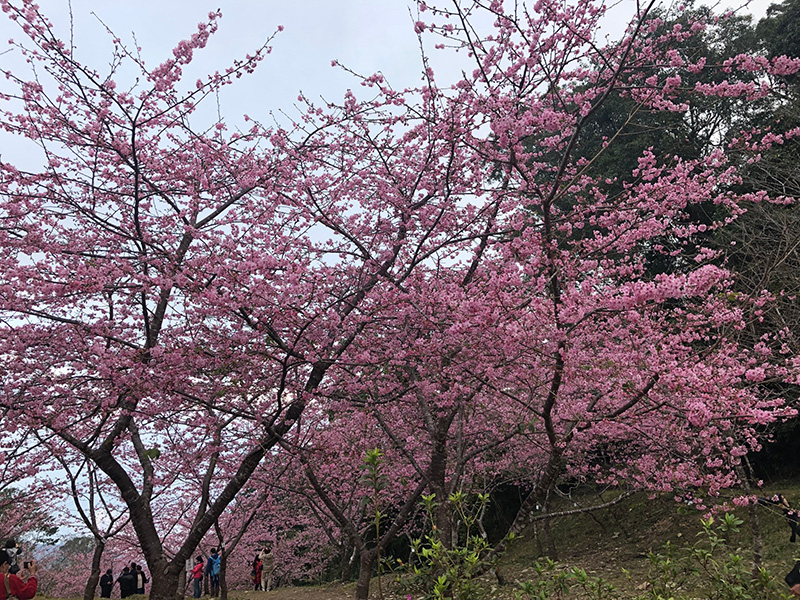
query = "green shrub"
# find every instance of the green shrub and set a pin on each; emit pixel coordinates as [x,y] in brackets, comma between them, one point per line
[439,571]
[710,569]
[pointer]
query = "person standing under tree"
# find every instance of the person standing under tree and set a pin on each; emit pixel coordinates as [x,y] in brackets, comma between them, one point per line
[255,573]
[212,570]
[267,568]
[141,579]
[127,583]
[197,577]
[106,584]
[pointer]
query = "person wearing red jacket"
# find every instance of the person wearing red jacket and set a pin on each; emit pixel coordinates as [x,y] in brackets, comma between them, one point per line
[12,585]
[255,574]
[197,576]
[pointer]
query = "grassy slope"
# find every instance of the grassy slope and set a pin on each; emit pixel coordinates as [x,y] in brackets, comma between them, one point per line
[620,537]
[613,544]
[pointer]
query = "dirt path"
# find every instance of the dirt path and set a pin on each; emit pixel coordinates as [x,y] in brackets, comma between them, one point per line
[332,591]
[335,591]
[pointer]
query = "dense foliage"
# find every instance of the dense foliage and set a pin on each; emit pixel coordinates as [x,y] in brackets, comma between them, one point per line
[521,277]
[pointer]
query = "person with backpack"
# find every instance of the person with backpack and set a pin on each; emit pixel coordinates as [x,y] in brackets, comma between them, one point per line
[212,570]
[22,588]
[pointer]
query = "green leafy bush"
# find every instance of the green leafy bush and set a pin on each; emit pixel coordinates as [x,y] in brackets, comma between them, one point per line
[442,571]
[710,569]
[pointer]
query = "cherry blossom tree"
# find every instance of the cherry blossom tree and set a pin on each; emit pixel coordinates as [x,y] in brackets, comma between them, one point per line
[175,299]
[94,499]
[627,373]
[21,512]
[364,492]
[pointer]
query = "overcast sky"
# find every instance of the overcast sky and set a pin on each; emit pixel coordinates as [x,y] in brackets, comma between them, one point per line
[365,35]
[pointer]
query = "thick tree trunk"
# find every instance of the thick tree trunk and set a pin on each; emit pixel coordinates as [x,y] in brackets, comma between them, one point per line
[223,584]
[444,522]
[346,567]
[366,560]
[180,591]
[165,581]
[94,577]
[443,514]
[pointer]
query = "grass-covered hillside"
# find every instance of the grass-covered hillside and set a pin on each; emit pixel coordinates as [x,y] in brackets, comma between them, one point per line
[647,548]
[619,544]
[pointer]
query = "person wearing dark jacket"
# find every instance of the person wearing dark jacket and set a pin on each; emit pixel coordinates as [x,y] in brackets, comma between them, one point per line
[106,584]
[127,583]
[13,585]
[141,579]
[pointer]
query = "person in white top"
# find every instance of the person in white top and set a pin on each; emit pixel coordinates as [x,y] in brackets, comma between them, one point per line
[268,567]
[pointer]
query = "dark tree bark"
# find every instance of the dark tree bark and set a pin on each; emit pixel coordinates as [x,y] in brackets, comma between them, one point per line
[180,593]
[346,566]
[94,577]
[366,560]
[223,568]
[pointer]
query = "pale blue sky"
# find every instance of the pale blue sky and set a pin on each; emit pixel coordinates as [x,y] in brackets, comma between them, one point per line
[365,35]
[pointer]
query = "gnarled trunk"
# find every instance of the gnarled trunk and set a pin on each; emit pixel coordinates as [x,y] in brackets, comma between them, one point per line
[165,581]
[443,514]
[183,584]
[223,584]
[366,560]
[94,577]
